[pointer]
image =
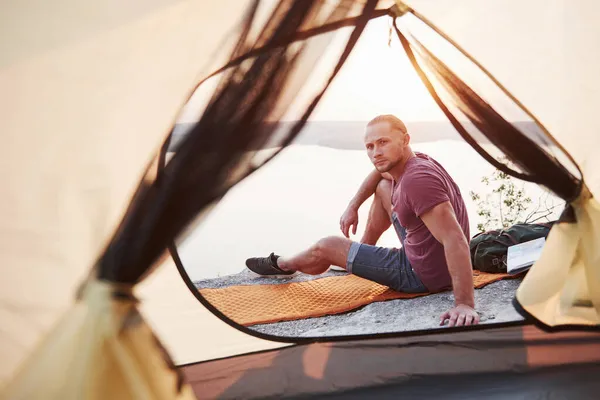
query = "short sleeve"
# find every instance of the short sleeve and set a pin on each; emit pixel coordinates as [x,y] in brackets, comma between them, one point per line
[423,191]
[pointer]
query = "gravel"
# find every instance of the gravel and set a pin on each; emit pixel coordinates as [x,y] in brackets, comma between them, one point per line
[493,302]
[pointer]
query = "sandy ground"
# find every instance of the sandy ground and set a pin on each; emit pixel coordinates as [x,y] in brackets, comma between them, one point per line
[493,302]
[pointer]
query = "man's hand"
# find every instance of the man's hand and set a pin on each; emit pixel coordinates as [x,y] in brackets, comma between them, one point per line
[460,315]
[349,219]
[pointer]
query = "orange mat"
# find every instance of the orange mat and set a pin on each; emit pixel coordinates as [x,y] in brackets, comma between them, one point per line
[259,304]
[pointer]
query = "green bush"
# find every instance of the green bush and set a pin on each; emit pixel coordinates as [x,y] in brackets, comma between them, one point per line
[506,203]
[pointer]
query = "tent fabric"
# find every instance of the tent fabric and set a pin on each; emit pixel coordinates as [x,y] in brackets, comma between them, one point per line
[210,160]
[548,69]
[573,262]
[212,157]
[91,89]
[535,164]
[101,349]
[563,287]
[80,123]
[249,305]
[414,366]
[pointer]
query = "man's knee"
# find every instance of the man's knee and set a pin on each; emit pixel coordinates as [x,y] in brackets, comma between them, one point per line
[384,188]
[323,249]
[384,194]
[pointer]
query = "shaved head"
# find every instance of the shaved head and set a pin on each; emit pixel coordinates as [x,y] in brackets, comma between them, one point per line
[395,123]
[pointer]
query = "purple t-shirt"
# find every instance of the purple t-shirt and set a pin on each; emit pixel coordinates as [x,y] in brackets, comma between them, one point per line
[423,185]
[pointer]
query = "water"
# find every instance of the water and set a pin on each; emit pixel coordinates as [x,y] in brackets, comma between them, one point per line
[299,197]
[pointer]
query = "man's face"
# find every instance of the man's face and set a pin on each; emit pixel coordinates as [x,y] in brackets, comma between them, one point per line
[385,147]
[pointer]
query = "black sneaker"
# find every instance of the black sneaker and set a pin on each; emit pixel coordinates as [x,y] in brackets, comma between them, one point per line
[267,266]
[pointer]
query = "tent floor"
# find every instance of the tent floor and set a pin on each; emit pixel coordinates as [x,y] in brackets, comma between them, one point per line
[501,362]
[565,382]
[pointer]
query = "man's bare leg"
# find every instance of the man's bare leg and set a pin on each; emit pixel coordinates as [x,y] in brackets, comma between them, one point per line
[332,250]
[379,214]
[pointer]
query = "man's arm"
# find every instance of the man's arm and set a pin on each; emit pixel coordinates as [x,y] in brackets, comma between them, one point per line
[367,188]
[443,225]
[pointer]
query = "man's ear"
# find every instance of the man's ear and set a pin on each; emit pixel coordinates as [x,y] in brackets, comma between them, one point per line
[406,139]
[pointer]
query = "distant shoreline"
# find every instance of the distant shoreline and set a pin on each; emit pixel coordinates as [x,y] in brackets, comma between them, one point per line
[348,135]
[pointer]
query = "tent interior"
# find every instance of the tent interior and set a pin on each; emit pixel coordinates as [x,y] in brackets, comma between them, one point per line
[92,303]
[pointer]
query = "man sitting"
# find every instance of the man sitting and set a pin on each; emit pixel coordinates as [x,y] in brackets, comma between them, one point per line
[417,195]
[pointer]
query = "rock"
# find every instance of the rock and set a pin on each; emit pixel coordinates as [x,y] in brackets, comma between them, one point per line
[493,302]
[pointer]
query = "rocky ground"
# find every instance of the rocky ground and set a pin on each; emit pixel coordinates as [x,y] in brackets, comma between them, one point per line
[493,302]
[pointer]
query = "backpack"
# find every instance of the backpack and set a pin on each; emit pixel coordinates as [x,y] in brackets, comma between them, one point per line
[488,249]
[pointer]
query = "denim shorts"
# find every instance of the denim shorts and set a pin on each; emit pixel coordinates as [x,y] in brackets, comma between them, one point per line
[386,266]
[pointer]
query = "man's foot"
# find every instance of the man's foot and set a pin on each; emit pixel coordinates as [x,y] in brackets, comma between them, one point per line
[267,266]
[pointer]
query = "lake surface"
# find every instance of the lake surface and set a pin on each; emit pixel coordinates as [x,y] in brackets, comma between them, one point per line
[299,197]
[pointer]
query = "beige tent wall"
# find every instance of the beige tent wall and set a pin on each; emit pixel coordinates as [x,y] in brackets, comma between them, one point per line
[89,90]
[580,125]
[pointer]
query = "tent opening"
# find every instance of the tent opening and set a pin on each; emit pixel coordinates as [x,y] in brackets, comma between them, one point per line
[455,110]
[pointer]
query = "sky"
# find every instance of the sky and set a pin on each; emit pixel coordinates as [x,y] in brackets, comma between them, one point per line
[375,79]
[378,78]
